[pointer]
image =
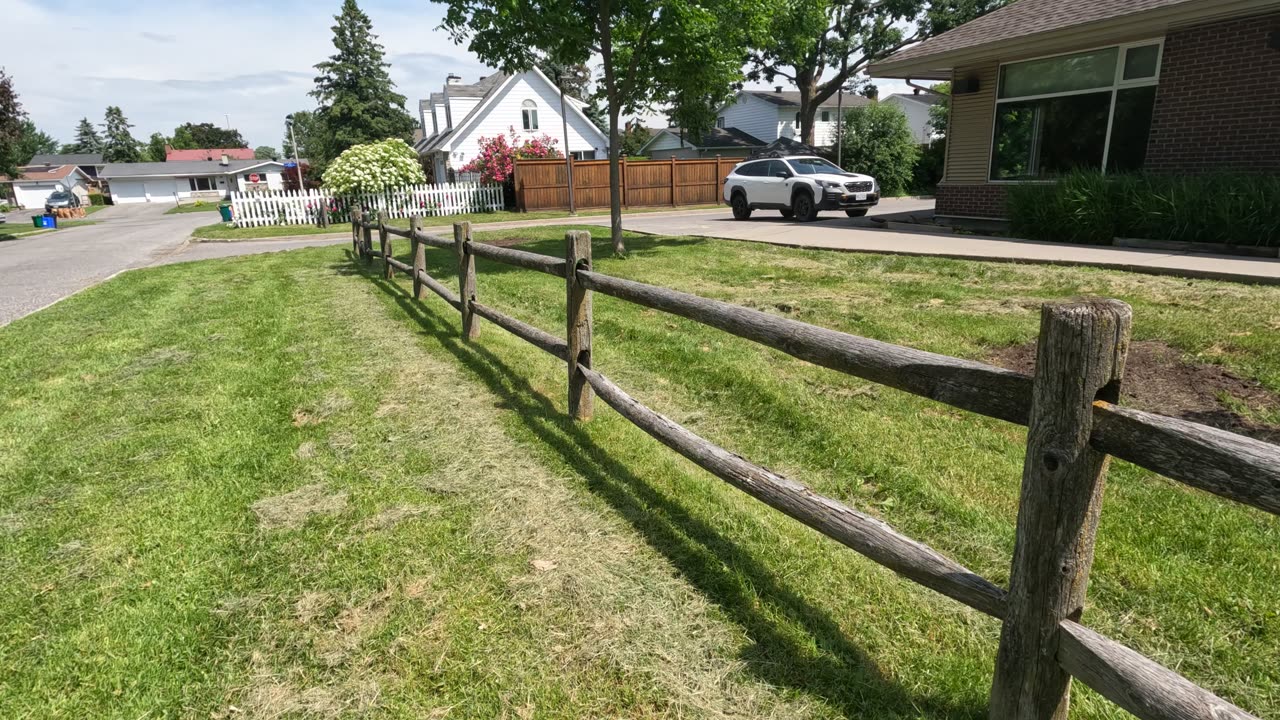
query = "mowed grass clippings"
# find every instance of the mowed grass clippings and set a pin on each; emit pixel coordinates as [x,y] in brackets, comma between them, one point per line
[276,486]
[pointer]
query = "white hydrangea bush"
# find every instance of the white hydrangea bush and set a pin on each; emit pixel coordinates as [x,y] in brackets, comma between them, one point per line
[374,167]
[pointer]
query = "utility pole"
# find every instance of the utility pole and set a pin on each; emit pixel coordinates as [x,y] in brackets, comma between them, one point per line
[840,127]
[568,157]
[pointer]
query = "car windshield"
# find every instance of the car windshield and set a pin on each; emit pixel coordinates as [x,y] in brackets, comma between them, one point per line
[59,196]
[814,166]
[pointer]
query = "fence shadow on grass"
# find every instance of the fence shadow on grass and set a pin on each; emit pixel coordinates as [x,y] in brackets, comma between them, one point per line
[840,674]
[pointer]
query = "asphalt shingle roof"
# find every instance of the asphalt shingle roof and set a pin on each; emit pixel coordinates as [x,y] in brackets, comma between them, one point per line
[1027,17]
[180,168]
[722,138]
[68,159]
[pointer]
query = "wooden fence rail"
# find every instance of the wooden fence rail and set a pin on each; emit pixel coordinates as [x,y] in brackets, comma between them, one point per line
[1073,424]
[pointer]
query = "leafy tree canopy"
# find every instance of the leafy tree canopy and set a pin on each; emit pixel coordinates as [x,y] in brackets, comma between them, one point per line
[157,148]
[823,45]
[358,101]
[686,53]
[119,146]
[198,136]
[34,142]
[265,152]
[876,140]
[306,129]
[940,113]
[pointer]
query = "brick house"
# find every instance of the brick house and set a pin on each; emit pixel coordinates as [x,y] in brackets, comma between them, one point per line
[1044,87]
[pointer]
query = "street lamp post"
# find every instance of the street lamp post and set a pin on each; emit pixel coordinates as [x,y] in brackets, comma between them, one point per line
[568,157]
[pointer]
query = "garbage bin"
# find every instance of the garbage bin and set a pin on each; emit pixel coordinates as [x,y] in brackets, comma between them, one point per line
[44,221]
[225,210]
[37,221]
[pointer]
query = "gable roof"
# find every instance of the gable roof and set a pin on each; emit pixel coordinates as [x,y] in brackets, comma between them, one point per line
[712,139]
[1025,25]
[67,159]
[43,173]
[171,154]
[923,98]
[791,98]
[493,87]
[181,168]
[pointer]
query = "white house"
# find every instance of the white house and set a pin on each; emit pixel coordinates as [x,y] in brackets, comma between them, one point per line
[527,103]
[916,107]
[174,182]
[36,183]
[771,115]
[723,142]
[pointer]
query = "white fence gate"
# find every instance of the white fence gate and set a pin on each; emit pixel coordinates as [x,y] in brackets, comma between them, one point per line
[302,207]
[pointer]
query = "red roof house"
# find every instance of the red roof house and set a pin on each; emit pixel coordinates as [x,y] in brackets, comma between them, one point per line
[172,155]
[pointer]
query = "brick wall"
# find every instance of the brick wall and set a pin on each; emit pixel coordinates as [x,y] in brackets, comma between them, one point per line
[970,200]
[1218,103]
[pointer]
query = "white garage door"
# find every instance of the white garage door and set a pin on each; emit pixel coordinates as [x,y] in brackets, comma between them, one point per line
[33,195]
[129,191]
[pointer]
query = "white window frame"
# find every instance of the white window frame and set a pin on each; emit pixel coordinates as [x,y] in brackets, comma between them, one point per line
[1118,83]
[720,122]
[529,115]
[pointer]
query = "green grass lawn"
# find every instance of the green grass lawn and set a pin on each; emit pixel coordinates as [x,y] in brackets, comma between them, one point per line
[277,483]
[10,231]
[222,232]
[192,208]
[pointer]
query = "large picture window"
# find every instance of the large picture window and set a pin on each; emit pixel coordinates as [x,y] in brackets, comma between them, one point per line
[1087,111]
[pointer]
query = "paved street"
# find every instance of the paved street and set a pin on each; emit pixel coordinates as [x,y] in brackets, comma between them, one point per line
[41,269]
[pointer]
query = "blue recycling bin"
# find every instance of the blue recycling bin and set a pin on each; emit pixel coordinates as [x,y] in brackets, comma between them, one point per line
[48,221]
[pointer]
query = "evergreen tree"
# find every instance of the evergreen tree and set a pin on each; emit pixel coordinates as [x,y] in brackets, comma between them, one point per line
[12,117]
[119,146]
[88,140]
[358,102]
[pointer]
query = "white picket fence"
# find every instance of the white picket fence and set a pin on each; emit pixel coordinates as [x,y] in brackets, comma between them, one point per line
[302,207]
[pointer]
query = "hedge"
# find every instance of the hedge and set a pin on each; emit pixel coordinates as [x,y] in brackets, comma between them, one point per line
[1091,208]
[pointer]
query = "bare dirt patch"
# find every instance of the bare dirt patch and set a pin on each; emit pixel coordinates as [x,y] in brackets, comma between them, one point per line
[1156,379]
[291,510]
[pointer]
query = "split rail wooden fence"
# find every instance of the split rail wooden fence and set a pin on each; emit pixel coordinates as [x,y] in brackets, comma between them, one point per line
[544,185]
[1073,421]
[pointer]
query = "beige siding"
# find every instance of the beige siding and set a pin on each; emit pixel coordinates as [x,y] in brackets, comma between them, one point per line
[969,136]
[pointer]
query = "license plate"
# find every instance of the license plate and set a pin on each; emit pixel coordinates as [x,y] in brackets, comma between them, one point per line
[859,196]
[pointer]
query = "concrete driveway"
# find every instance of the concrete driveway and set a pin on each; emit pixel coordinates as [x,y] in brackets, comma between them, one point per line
[38,270]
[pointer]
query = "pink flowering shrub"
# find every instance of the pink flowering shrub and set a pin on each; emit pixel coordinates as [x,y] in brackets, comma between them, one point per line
[496,160]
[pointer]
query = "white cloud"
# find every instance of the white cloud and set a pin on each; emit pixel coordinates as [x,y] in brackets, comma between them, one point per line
[169,63]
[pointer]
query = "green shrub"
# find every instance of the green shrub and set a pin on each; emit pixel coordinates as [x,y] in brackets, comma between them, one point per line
[97,199]
[1090,208]
[876,140]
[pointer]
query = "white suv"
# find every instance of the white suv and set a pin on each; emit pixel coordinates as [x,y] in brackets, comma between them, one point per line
[799,186]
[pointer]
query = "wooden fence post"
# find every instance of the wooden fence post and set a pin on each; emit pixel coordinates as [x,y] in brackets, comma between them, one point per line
[366,245]
[673,181]
[622,179]
[1080,358]
[466,279]
[384,245]
[577,256]
[419,257]
[355,231]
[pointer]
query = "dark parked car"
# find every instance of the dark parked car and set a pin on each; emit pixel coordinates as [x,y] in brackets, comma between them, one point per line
[61,199]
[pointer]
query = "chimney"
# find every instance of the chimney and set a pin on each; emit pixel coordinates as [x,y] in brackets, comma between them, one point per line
[777,89]
[225,161]
[453,79]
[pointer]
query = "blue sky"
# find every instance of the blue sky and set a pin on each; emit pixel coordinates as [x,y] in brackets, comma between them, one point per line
[169,63]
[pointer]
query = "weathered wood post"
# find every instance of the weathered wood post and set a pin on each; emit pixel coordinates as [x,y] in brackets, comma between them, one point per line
[466,279]
[577,256]
[384,245]
[356,216]
[1080,359]
[419,258]
[367,242]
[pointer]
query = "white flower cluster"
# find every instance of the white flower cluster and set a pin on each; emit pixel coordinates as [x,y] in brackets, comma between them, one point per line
[374,167]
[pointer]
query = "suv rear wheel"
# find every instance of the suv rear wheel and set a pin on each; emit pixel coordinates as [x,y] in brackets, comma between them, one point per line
[804,207]
[741,210]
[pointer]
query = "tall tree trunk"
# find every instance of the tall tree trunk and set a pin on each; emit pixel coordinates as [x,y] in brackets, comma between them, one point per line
[808,85]
[605,28]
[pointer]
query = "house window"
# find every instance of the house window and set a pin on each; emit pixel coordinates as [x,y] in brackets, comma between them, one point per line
[529,114]
[200,184]
[826,116]
[583,154]
[1085,111]
[720,122]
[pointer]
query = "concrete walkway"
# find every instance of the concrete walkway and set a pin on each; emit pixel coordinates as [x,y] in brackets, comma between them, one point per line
[835,232]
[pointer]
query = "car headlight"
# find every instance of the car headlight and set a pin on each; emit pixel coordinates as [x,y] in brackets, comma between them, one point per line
[830,184]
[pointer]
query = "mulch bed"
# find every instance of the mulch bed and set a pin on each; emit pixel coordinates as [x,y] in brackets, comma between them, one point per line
[1157,380]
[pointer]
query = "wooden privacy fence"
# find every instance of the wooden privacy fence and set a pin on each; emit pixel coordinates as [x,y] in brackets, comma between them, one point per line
[543,184]
[1073,423]
[309,207]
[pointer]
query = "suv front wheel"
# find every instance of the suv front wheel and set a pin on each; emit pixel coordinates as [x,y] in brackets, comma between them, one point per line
[741,210]
[804,207]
